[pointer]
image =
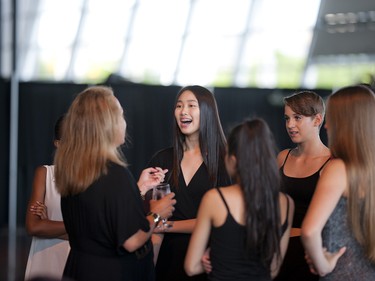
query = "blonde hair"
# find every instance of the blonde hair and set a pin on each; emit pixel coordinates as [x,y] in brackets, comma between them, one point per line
[88,142]
[351,135]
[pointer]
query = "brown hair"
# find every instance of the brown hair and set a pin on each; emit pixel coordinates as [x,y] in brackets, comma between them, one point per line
[351,134]
[306,103]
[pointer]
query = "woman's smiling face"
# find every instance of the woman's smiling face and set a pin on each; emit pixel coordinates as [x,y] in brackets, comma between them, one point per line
[187,113]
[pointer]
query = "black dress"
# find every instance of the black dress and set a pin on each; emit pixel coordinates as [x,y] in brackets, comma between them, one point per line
[170,263]
[98,221]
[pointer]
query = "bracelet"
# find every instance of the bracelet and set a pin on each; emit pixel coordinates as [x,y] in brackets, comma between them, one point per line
[156,217]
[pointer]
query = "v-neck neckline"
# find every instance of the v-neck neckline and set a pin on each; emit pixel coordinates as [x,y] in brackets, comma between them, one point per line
[194,175]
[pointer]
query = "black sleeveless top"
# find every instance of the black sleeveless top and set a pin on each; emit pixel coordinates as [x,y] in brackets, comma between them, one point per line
[301,190]
[228,256]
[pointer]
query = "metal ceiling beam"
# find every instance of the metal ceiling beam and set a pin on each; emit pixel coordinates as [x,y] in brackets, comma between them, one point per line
[13,147]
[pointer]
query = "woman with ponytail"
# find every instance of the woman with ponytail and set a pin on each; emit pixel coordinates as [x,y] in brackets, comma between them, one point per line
[247,223]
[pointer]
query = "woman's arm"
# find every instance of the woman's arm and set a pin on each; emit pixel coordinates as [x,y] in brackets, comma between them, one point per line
[164,208]
[199,239]
[37,224]
[157,240]
[277,261]
[331,186]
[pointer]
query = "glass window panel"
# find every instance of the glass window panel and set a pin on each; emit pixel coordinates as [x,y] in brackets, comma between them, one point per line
[279,43]
[114,6]
[106,23]
[278,38]
[53,63]
[62,5]
[160,18]
[156,58]
[224,17]
[95,64]
[56,25]
[6,60]
[153,51]
[52,32]
[285,15]
[206,57]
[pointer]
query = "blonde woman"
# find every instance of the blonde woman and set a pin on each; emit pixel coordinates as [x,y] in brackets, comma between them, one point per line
[338,230]
[109,233]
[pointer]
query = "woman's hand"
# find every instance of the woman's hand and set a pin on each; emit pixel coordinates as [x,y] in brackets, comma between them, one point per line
[40,210]
[163,228]
[206,262]
[164,206]
[332,259]
[311,264]
[150,177]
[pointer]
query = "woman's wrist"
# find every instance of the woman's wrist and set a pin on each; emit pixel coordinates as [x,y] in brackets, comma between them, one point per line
[168,226]
[155,217]
[142,190]
[142,195]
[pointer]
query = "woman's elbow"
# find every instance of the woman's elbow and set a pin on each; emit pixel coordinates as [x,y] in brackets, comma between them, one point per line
[135,241]
[193,267]
[189,268]
[130,247]
[307,233]
[32,229]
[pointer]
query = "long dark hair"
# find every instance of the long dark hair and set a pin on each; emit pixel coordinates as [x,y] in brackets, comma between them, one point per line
[252,143]
[212,140]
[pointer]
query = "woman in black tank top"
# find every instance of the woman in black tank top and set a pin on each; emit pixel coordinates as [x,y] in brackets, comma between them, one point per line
[247,223]
[300,169]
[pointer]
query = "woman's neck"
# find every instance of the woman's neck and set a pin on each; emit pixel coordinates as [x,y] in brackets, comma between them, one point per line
[191,144]
[313,148]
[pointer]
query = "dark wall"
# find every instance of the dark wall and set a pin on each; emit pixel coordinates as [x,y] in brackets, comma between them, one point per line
[149,112]
[40,105]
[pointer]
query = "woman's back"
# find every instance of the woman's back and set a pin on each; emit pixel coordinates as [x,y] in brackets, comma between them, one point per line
[228,238]
[246,216]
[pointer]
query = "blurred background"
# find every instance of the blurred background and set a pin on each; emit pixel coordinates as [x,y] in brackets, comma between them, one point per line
[250,53]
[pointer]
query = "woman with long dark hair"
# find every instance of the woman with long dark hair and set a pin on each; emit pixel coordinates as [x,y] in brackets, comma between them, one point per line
[195,164]
[247,224]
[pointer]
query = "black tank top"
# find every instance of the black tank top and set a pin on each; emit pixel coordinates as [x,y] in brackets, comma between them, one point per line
[228,256]
[301,190]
